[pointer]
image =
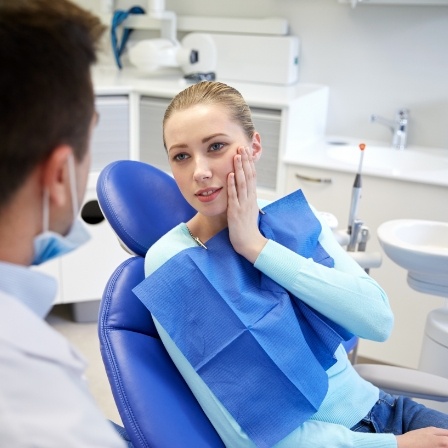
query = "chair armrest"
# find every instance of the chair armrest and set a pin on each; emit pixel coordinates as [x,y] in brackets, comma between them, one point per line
[367,260]
[342,237]
[403,381]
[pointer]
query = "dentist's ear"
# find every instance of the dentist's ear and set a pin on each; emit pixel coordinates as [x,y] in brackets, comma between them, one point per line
[55,175]
[256,146]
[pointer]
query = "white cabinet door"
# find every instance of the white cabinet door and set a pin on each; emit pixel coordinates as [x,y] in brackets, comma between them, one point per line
[382,200]
[152,150]
[268,123]
[111,137]
[326,190]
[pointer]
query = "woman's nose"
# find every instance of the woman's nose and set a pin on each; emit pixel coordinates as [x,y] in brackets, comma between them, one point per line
[202,170]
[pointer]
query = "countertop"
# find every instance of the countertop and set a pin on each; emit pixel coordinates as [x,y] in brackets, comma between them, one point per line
[402,165]
[109,80]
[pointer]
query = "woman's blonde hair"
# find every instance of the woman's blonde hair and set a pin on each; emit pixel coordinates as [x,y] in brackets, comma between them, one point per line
[213,92]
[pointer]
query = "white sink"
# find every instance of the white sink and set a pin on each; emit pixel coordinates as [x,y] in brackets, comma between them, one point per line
[420,247]
[388,159]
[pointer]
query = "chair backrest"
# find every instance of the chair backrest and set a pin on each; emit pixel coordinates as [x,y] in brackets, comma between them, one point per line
[140,202]
[156,406]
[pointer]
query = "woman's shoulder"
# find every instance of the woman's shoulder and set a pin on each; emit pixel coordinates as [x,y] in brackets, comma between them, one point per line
[263,202]
[167,246]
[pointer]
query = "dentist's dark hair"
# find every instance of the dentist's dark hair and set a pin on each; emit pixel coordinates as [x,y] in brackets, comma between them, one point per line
[213,92]
[46,96]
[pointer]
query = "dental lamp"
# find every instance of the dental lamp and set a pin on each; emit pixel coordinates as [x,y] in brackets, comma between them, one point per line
[195,54]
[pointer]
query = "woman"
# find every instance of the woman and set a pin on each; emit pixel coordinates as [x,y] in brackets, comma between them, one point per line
[233,259]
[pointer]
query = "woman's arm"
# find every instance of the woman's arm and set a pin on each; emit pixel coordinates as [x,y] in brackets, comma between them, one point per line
[314,434]
[346,294]
[311,434]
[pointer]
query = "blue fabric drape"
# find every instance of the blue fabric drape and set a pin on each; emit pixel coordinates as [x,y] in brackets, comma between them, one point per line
[262,352]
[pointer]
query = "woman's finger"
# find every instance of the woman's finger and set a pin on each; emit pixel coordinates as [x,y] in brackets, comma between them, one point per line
[250,171]
[240,175]
[231,188]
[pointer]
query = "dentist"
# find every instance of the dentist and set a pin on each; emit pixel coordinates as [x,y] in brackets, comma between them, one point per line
[46,119]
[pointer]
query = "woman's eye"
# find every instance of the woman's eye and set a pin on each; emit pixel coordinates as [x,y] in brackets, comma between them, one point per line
[216,146]
[180,157]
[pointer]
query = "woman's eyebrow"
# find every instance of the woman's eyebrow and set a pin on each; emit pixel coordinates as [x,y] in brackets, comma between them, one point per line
[211,137]
[178,146]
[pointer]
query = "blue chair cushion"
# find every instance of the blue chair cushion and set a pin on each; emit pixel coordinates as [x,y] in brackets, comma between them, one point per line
[126,208]
[156,406]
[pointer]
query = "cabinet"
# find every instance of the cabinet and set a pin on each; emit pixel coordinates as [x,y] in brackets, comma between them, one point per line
[382,199]
[268,124]
[111,136]
[151,115]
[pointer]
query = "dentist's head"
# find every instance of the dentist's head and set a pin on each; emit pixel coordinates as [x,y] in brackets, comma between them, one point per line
[47,115]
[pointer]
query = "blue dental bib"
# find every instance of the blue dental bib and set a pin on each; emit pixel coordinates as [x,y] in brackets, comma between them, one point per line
[261,351]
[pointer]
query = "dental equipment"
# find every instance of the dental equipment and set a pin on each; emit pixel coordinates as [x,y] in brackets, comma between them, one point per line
[353,230]
[196,55]
[358,233]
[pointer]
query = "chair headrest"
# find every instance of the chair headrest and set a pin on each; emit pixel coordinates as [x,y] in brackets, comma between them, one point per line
[140,202]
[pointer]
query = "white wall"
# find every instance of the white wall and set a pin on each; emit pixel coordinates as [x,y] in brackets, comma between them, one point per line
[374,58]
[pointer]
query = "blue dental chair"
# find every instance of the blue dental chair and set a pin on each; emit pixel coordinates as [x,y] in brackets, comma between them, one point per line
[155,404]
[142,203]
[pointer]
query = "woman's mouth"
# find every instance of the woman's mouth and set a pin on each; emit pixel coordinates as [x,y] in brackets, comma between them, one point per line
[208,195]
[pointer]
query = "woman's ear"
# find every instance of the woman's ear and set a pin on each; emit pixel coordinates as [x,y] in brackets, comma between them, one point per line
[55,174]
[256,146]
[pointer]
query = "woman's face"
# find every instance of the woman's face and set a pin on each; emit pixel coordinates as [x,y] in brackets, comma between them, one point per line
[202,142]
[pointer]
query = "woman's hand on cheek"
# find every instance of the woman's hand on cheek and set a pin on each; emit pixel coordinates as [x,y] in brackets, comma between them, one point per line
[242,209]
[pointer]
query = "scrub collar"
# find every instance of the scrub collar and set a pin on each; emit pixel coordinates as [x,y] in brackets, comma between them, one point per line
[34,289]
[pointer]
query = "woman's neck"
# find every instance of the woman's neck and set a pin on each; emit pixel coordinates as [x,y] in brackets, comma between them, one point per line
[205,227]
